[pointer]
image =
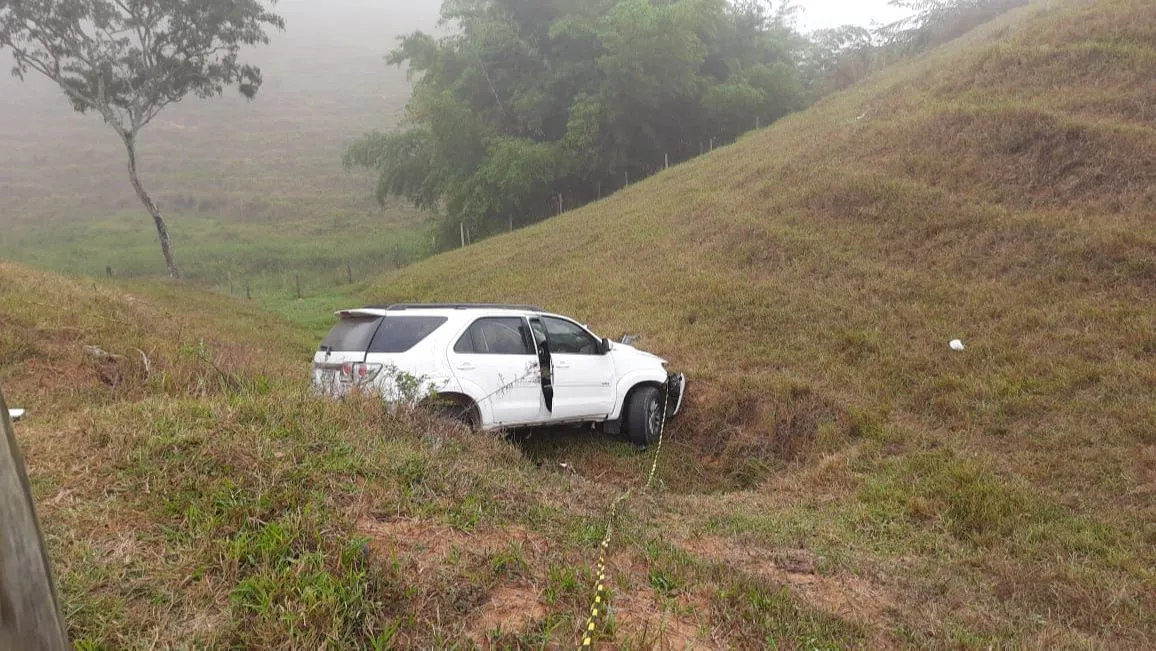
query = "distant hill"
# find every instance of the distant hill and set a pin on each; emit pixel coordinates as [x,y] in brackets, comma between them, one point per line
[809,278]
[276,158]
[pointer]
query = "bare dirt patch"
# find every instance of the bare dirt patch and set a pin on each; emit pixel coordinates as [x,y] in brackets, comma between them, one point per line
[666,625]
[1145,486]
[424,544]
[509,608]
[845,595]
[428,543]
[645,619]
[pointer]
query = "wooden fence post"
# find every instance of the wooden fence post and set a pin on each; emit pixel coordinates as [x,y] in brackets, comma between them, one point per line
[30,616]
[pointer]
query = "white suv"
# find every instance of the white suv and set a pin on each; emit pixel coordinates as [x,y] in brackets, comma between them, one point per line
[486,361]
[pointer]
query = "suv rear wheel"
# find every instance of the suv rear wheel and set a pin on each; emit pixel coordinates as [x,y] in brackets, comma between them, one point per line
[644,415]
[456,408]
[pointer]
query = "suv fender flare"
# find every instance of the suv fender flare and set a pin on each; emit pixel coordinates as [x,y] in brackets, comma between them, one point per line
[628,382]
[468,389]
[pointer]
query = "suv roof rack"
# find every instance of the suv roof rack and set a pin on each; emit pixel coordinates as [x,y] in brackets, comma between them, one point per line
[397,307]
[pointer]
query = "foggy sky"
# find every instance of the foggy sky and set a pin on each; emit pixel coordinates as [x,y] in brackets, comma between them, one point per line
[350,37]
[823,14]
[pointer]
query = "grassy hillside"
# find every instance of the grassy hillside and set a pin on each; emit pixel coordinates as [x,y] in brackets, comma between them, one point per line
[840,479]
[265,175]
[193,493]
[808,279]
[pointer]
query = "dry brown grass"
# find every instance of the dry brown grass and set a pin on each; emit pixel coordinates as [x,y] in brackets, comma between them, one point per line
[145,342]
[210,501]
[834,451]
[809,278]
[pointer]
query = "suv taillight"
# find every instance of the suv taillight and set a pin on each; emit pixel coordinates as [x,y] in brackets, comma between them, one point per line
[359,372]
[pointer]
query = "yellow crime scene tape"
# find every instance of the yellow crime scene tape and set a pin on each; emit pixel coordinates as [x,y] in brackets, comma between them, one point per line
[598,606]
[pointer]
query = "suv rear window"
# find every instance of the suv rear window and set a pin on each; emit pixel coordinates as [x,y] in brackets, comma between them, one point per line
[375,334]
[351,334]
[398,334]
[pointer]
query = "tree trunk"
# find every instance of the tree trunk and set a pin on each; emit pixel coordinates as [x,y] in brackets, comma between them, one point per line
[162,229]
[30,616]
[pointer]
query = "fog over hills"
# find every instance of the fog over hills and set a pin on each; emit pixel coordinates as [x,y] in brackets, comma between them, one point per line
[325,83]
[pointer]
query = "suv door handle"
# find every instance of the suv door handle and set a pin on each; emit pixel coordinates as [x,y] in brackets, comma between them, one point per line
[466,367]
[561,365]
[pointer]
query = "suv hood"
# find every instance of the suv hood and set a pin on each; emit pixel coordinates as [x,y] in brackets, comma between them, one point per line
[628,350]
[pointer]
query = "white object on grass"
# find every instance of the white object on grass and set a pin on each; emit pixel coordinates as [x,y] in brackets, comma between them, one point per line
[957,345]
[15,414]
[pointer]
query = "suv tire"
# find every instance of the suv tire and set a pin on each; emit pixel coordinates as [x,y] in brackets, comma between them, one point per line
[644,415]
[458,410]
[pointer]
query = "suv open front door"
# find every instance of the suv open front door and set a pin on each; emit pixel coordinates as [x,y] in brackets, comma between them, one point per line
[545,363]
[675,390]
[582,372]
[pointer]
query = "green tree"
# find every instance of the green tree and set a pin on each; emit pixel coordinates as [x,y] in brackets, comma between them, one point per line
[534,104]
[129,59]
[841,56]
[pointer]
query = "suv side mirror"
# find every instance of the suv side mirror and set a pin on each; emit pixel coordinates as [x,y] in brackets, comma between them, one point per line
[604,347]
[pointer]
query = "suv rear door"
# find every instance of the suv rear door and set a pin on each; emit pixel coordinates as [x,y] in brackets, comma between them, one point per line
[347,342]
[379,341]
[496,355]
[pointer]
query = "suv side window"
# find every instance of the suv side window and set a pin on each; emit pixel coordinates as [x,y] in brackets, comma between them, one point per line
[569,339]
[496,336]
[398,334]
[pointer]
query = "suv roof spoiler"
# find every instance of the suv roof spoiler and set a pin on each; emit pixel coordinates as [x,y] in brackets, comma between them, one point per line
[397,307]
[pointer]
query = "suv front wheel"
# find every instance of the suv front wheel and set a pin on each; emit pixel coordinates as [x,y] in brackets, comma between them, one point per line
[644,416]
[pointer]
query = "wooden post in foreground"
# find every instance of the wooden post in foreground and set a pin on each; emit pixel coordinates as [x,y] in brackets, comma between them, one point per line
[30,615]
